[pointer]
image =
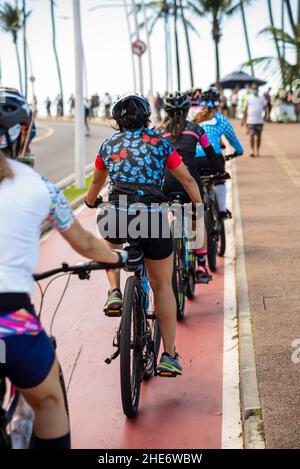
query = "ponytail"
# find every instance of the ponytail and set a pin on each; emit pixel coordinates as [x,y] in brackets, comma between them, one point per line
[5,170]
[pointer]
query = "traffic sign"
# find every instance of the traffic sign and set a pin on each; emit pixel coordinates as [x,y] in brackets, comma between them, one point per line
[139,47]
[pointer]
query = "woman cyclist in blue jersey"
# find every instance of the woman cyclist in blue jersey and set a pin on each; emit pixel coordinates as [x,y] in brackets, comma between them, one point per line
[26,200]
[135,159]
[185,136]
[215,125]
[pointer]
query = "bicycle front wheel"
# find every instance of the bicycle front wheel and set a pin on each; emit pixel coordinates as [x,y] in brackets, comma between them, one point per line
[211,236]
[131,358]
[222,240]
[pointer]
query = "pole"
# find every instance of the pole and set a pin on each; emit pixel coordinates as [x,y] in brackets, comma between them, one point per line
[25,50]
[141,83]
[79,103]
[130,38]
[149,54]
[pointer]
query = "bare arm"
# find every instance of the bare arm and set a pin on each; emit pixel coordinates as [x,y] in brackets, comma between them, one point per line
[97,184]
[182,174]
[86,244]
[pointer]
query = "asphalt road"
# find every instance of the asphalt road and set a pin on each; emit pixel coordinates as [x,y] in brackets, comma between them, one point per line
[54,148]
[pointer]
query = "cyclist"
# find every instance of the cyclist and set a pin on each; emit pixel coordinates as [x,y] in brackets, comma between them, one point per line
[135,159]
[215,125]
[184,137]
[26,200]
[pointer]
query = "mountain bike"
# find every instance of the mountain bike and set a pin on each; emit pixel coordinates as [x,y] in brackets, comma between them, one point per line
[138,337]
[184,270]
[216,239]
[9,396]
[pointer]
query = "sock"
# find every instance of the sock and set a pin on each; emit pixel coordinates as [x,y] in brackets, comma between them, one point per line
[64,442]
[221,192]
[201,256]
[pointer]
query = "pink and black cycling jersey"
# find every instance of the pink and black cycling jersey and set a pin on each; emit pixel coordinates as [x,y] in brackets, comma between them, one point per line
[187,143]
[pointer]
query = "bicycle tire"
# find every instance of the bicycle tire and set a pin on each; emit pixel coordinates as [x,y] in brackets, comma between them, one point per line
[211,242]
[179,287]
[222,240]
[131,377]
[191,280]
[156,337]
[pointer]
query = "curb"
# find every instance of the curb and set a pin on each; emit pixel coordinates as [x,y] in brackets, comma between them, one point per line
[252,415]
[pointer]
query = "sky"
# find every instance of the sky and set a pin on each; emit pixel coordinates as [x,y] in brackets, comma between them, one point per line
[107,50]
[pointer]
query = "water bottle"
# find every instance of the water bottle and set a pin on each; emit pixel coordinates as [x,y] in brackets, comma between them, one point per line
[146,290]
[21,425]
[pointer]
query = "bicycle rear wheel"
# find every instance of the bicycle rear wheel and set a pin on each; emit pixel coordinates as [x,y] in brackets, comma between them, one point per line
[222,240]
[131,359]
[178,280]
[211,236]
[191,280]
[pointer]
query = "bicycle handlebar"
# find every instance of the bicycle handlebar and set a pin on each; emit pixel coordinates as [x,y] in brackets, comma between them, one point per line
[82,270]
[231,156]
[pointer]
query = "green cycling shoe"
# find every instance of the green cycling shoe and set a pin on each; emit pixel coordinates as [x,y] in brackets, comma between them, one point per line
[169,367]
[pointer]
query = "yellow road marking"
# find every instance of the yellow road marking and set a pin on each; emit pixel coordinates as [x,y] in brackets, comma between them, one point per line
[286,164]
[49,132]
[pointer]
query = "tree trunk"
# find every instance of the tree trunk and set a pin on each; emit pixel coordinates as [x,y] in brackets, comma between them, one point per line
[167,53]
[177,46]
[188,45]
[283,27]
[56,54]
[19,64]
[298,34]
[276,40]
[216,38]
[291,18]
[25,51]
[246,35]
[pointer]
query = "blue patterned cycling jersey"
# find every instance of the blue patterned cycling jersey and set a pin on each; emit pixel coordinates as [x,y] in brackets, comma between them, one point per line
[216,127]
[137,157]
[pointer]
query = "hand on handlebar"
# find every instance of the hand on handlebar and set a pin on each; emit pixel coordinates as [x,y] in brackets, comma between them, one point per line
[98,202]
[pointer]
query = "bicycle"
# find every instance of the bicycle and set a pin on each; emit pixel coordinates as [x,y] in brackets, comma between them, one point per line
[9,396]
[138,337]
[216,238]
[184,271]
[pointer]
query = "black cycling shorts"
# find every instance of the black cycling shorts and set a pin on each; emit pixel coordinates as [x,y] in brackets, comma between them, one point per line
[28,359]
[204,164]
[173,186]
[156,240]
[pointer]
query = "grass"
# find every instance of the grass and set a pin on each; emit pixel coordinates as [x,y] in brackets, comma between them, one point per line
[71,193]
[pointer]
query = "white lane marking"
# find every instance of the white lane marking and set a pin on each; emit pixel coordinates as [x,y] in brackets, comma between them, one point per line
[231,415]
[49,132]
[250,401]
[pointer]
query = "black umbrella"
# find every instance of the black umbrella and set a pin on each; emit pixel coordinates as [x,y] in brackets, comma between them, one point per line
[239,79]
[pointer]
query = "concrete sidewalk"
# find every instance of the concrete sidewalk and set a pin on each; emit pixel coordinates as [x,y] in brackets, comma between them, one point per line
[269,189]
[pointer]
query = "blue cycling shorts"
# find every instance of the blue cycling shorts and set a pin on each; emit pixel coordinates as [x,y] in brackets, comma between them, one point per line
[28,359]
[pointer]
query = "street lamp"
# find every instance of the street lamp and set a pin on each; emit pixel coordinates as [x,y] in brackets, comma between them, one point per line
[79,101]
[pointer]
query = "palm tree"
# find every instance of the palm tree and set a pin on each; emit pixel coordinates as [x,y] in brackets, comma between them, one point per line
[216,10]
[25,16]
[280,66]
[10,22]
[188,45]
[166,10]
[56,54]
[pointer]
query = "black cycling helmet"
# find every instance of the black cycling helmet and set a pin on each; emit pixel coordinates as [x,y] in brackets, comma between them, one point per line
[13,110]
[176,103]
[120,107]
[211,97]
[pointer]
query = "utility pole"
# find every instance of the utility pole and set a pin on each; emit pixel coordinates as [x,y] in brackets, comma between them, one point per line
[149,54]
[141,82]
[79,102]
[25,49]
[130,40]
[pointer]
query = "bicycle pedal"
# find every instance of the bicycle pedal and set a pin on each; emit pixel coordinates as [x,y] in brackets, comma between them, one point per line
[113,312]
[166,374]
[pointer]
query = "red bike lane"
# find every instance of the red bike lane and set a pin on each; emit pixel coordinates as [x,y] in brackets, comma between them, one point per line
[185,412]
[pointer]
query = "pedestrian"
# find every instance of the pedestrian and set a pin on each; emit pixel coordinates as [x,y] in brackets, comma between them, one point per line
[268,100]
[59,106]
[254,118]
[71,102]
[158,105]
[95,104]
[107,105]
[48,106]
[86,118]
[234,102]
